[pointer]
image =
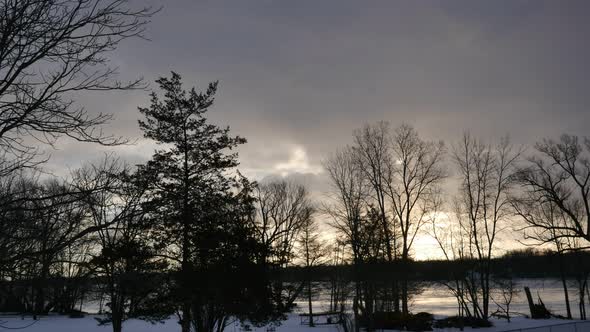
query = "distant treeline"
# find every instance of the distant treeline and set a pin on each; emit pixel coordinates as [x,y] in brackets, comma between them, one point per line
[525,263]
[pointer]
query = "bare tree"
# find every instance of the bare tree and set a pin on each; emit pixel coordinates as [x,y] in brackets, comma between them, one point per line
[416,175]
[49,51]
[486,175]
[28,197]
[506,292]
[339,285]
[452,238]
[56,219]
[127,265]
[580,272]
[284,208]
[555,200]
[313,252]
[345,210]
[38,225]
[347,198]
[533,212]
[45,221]
[372,150]
[559,174]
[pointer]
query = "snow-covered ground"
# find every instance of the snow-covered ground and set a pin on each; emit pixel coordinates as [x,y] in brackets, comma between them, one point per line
[292,324]
[435,299]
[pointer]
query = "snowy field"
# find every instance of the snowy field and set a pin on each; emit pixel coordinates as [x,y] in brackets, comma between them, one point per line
[88,324]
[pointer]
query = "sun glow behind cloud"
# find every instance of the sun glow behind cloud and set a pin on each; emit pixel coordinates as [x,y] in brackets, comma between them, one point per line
[298,163]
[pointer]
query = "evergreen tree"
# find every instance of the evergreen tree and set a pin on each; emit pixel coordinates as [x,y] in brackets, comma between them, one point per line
[200,209]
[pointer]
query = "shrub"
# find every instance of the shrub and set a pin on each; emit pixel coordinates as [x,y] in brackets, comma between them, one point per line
[458,322]
[76,314]
[398,321]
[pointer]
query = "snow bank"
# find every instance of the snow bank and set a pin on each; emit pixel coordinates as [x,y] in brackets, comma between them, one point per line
[89,324]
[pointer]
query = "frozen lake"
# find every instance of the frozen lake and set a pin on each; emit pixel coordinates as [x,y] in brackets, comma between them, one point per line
[437,299]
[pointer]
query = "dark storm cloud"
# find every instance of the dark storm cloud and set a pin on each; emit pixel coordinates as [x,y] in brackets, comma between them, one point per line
[296,77]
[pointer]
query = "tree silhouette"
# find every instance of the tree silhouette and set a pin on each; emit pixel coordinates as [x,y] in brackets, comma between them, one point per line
[202,213]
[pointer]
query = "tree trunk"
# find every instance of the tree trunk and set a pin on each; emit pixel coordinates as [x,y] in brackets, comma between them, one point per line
[117,312]
[582,299]
[529,298]
[564,283]
[186,316]
[41,284]
[309,293]
[117,324]
[355,306]
[405,309]
[186,304]
[405,277]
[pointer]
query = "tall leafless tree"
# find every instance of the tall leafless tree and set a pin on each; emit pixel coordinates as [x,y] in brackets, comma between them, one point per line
[313,252]
[555,201]
[284,208]
[415,177]
[486,174]
[345,209]
[452,238]
[534,211]
[372,149]
[373,152]
[125,262]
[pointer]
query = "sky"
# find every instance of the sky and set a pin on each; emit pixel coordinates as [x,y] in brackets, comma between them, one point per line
[297,77]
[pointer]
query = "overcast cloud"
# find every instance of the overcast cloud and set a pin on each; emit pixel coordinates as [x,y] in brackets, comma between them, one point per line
[296,77]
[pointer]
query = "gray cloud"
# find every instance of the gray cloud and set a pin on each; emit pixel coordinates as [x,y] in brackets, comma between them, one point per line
[305,74]
[297,77]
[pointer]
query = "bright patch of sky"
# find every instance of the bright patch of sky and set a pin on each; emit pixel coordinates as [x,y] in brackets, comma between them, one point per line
[298,163]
